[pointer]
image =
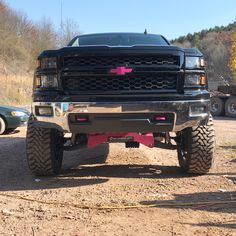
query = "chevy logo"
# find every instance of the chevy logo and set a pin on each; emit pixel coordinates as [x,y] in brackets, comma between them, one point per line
[121,70]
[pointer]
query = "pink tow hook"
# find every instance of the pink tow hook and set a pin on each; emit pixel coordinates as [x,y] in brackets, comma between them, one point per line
[145,139]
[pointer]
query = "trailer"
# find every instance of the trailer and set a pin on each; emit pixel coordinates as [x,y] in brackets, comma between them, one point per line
[223,101]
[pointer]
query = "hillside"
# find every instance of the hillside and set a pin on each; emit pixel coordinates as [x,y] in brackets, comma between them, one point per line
[216,45]
[21,40]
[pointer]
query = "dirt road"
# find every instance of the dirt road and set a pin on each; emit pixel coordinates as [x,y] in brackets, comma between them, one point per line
[127,177]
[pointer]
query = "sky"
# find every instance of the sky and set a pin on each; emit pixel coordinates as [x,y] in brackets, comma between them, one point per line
[171,18]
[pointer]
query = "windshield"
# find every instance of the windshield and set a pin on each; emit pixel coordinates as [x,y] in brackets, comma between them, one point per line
[118,40]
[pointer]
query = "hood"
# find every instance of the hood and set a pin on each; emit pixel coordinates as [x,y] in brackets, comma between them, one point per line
[11,108]
[110,50]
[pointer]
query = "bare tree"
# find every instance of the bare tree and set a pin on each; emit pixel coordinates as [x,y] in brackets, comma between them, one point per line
[69,29]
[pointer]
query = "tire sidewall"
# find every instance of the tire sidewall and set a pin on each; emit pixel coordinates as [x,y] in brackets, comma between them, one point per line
[2,125]
[220,103]
[227,104]
[57,150]
[184,159]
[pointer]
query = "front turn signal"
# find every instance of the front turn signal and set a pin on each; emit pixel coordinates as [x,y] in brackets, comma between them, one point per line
[38,82]
[202,80]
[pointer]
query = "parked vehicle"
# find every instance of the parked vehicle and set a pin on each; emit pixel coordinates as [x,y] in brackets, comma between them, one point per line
[11,118]
[120,87]
[223,101]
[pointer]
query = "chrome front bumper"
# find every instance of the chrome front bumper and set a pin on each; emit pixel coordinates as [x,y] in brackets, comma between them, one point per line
[179,109]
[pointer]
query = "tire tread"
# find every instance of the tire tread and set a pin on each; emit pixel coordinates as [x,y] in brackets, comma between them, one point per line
[200,148]
[40,149]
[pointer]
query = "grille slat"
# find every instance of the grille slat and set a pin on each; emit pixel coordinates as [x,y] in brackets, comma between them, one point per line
[121,60]
[121,83]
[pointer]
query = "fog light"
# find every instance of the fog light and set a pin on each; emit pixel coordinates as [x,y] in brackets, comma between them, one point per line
[192,80]
[197,110]
[44,111]
[160,118]
[49,81]
[82,119]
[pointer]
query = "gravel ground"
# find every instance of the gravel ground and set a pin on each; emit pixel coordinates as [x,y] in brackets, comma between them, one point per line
[125,177]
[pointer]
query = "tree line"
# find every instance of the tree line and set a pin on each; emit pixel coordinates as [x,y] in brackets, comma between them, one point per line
[21,40]
[218,45]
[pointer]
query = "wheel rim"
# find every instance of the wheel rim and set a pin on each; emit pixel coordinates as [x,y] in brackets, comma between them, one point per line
[59,148]
[232,108]
[182,151]
[183,157]
[214,107]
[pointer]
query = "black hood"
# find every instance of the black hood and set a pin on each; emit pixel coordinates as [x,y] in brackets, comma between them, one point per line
[95,50]
[132,50]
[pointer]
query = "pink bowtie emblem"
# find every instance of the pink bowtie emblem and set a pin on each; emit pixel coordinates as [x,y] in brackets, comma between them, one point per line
[121,70]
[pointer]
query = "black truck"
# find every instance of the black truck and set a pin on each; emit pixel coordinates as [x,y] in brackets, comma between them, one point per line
[131,88]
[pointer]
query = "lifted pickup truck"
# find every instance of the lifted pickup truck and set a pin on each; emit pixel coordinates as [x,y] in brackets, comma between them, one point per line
[120,87]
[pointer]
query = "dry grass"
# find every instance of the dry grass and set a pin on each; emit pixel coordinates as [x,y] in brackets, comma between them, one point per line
[16,89]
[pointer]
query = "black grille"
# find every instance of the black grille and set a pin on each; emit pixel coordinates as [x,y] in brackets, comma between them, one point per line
[99,84]
[121,60]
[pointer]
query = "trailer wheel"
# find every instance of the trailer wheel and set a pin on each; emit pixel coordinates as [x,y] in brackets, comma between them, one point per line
[217,106]
[230,107]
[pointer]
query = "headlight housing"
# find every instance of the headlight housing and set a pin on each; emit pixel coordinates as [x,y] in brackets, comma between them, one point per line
[194,80]
[18,113]
[194,62]
[48,63]
[46,81]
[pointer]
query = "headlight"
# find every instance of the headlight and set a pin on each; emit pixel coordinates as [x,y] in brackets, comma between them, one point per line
[193,80]
[18,113]
[43,111]
[46,81]
[48,63]
[194,62]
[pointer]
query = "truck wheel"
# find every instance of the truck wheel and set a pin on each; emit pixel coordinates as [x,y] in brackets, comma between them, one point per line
[196,148]
[230,107]
[44,149]
[217,106]
[2,125]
